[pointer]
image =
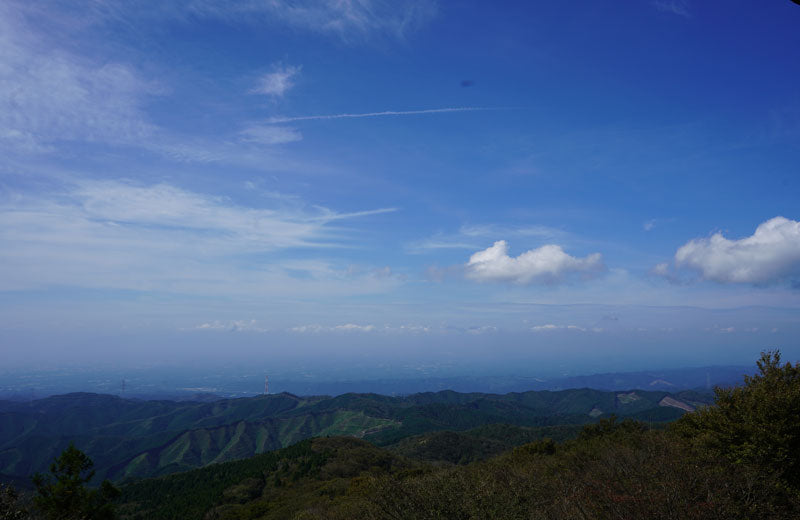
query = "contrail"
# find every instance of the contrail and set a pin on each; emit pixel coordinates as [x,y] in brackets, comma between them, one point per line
[380,114]
[330,216]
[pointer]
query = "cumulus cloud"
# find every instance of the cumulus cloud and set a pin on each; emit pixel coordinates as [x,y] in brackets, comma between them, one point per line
[770,255]
[546,264]
[278,82]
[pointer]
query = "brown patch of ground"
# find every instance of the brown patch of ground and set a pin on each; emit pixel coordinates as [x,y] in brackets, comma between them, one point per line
[674,403]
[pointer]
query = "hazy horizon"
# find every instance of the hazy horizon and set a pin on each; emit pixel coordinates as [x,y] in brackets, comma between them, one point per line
[347,186]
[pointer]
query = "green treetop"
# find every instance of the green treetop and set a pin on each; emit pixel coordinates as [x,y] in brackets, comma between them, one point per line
[63,495]
[757,424]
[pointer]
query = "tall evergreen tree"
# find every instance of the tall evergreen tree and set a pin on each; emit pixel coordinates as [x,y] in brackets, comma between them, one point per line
[63,495]
[756,424]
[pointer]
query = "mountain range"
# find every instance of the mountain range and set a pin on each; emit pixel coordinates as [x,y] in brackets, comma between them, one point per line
[131,439]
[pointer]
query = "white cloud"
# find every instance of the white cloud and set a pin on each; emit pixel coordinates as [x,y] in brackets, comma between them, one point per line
[345,18]
[677,7]
[661,269]
[483,329]
[551,327]
[471,236]
[347,327]
[486,230]
[413,329]
[277,83]
[167,208]
[546,264]
[49,94]
[350,327]
[160,237]
[771,255]
[664,271]
[649,225]
[269,134]
[232,326]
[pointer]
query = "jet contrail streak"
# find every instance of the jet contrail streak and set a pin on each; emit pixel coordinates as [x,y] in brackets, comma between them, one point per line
[379,114]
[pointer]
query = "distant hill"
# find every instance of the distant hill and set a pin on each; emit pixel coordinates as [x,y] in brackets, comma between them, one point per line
[132,438]
[671,380]
[178,385]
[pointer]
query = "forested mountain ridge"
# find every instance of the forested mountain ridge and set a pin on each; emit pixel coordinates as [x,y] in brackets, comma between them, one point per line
[131,438]
[735,460]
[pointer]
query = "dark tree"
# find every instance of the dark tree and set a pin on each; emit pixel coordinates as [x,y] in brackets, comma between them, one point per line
[10,509]
[63,495]
[757,424]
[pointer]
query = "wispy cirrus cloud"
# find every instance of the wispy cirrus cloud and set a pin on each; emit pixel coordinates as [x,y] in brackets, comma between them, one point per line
[126,235]
[676,7]
[472,236]
[49,94]
[52,97]
[278,82]
[270,135]
[348,20]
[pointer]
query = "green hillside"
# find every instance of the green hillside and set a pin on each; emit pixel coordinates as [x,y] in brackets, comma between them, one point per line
[612,470]
[478,443]
[130,439]
[307,475]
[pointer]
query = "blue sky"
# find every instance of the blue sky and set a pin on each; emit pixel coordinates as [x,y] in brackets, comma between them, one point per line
[412,182]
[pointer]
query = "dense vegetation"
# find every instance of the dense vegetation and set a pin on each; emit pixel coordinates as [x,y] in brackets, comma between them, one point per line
[735,460]
[612,470]
[738,459]
[64,495]
[130,439]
